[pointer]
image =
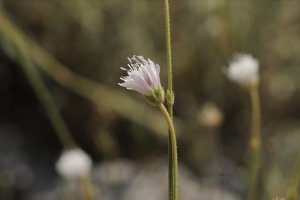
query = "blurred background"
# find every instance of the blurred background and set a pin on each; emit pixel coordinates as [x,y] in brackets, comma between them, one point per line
[65,55]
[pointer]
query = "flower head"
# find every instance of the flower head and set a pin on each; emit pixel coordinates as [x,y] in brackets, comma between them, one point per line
[210,116]
[74,163]
[143,77]
[243,69]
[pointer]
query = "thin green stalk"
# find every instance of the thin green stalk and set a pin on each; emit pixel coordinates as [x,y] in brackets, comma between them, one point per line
[173,163]
[87,188]
[52,111]
[173,179]
[293,193]
[170,93]
[255,143]
[45,99]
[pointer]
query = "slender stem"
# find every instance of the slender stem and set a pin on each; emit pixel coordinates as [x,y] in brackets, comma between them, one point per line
[255,143]
[170,93]
[45,98]
[54,115]
[87,188]
[6,186]
[173,163]
[65,191]
[172,155]
[293,193]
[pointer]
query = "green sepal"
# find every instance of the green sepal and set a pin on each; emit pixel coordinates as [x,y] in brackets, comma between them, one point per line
[156,96]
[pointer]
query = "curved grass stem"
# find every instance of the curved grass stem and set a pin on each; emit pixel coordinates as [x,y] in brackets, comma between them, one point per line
[45,99]
[173,163]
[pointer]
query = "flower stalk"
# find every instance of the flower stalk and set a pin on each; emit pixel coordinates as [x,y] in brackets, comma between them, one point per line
[143,77]
[244,70]
[76,165]
[293,193]
[173,171]
[87,188]
[170,93]
[173,161]
[255,143]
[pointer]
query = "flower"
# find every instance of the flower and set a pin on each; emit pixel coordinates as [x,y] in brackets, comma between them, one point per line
[143,77]
[74,163]
[243,69]
[210,116]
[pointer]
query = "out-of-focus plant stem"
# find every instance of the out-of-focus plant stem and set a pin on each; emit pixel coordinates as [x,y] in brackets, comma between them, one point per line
[293,193]
[255,143]
[39,86]
[173,192]
[87,188]
[20,49]
[45,99]
[104,97]
[6,186]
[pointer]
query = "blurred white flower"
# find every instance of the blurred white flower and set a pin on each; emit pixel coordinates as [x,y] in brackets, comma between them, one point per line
[243,69]
[74,163]
[143,76]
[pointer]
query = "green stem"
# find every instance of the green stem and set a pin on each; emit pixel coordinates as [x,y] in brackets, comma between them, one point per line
[293,193]
[53,113]
[87,188]
[45,98]
[172,155]
[173,163]
[170,93]
[255,143]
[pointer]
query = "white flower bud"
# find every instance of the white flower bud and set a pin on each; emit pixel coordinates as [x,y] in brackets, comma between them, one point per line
[73,164]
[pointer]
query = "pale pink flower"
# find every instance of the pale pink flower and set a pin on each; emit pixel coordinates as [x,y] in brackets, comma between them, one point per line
[142,76]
